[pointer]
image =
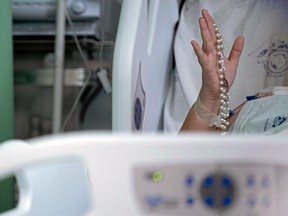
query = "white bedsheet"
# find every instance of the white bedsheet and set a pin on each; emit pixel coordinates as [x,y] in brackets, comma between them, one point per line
[264,60]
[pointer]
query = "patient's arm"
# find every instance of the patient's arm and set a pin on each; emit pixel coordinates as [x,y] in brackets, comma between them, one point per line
[207,58]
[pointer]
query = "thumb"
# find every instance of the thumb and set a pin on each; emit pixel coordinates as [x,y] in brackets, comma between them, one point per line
[236,50]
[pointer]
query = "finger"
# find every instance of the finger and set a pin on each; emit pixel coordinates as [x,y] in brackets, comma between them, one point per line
[208,44]
[236,50]
[198,51]
[210,23]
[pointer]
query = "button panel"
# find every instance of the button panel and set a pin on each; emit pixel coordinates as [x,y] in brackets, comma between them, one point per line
[207,189]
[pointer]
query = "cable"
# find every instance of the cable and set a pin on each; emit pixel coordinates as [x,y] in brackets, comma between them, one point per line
[102,35]
[80,50]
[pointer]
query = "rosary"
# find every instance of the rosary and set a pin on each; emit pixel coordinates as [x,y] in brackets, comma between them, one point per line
[224,87]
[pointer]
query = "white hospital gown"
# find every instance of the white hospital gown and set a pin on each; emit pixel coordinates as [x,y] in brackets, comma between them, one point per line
[264,61]
[267,115]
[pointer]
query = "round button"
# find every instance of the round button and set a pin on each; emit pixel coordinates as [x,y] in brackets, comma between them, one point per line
[208,182]
[189,181]
[226,182]
[227,200]
[78,7]
[190,201]
[157,176]
[250,181]
[209,200]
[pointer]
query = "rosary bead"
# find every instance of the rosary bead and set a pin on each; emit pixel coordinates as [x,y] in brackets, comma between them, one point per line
[218,35]
[223,127]
[218,41]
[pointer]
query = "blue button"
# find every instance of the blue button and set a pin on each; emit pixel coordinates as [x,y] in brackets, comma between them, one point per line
[227,200]
[189,181]
[154,201]
[209,181]
[209,200]
[226,182]
[251,202]
[265,182]
[250,182]
[190,200]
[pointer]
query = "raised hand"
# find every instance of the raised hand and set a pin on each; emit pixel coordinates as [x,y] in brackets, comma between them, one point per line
[208,59]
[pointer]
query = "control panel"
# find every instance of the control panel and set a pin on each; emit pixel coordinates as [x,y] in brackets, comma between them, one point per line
[207,189]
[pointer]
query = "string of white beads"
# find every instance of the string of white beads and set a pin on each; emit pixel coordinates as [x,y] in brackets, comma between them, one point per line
[224,88]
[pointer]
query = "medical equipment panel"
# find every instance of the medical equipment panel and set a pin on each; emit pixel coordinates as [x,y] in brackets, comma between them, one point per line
[208,189]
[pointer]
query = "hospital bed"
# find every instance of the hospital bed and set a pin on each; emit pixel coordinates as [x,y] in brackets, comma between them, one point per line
[106,175]
[103,175]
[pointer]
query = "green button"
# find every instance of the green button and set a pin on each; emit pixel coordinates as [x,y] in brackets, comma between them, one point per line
[157,176]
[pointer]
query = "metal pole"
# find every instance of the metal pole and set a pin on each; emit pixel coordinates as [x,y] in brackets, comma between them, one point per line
[59,66]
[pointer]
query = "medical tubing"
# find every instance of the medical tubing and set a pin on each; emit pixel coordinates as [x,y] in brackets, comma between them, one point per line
[88,77]
[205,115]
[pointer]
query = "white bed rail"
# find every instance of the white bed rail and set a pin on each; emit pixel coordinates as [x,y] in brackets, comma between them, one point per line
[142,63]
[106,166]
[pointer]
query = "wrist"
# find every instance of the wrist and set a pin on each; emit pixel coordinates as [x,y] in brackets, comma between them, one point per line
[205,114]
[210,101]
